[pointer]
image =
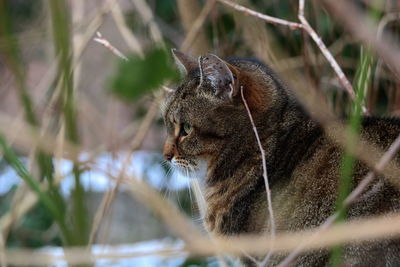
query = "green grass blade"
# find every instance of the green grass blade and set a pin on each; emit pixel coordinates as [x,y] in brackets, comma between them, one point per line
[363,78]
[62,42]
[44,198]
[11,49]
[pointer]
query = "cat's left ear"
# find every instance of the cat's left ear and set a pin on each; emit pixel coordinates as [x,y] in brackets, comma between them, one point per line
[185,62]
[222,76]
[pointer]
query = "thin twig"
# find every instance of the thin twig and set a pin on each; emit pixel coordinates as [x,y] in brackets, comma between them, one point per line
[168,212]
[265,175]
[109,197]
[269,19]
[91,29]
[308,29]
[386,158]
[197,24]
[3,260]
[28,137]
[306,26]
[377,228]
[192,16]
[130,39]
[147,15]
[109,46]
[363,28]
[388,18]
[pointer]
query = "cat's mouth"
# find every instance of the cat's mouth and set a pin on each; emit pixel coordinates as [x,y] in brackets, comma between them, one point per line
[190,168]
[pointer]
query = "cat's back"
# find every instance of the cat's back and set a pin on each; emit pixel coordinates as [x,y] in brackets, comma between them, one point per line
[381,131]
[309,198]
[382,195]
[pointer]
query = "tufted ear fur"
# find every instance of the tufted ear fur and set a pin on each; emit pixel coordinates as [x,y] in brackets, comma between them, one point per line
[222,76]
[185,63]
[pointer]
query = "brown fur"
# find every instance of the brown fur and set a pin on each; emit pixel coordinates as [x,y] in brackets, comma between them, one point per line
[303,164]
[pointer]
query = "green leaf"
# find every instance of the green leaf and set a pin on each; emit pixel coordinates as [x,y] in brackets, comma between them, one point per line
[137,76]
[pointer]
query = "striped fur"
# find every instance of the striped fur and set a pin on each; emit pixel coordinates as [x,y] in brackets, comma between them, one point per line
[303,164]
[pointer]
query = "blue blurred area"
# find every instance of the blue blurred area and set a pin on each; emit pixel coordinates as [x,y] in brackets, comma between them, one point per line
[147,261]
[144,165]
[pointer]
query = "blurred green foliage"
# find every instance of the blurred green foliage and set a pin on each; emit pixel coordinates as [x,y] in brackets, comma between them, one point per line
[166,9]
[23,12]
[35,230]
[138,76]
[200,262]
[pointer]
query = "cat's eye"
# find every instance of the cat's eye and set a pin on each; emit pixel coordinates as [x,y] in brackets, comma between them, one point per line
[186,128]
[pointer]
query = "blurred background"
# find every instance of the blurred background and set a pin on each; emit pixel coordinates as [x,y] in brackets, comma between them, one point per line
[74,115]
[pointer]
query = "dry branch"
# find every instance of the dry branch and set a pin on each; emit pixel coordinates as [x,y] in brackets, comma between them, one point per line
[387,226]
[190,14]
[269,19]
[91,29]
[130,39]
[196,27]
[362,28]
[109,196]
[265,174]
[305,26]
[109,46]
[168,212]
[29,137]
[3,259]
[147,15]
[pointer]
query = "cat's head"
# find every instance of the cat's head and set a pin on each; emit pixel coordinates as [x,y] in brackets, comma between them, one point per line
[205,115]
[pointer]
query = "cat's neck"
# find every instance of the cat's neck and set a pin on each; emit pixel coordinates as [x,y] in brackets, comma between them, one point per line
[236,176]
[279,127]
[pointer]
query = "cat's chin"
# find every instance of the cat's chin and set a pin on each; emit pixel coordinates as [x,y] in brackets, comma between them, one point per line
[198,170]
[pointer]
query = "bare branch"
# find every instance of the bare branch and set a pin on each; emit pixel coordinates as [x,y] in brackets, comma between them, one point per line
[109,46]
[3,260]
[308,29]
[306,26]
[196,26]
[148,17]
[362,28]
[123,28]
[265,175]
[109,196]
[384,226]
[269,19]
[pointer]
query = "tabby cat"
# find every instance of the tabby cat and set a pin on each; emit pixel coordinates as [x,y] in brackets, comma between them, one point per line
[210,136]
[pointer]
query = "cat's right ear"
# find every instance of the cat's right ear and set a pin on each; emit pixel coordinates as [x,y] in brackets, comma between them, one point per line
[185,63]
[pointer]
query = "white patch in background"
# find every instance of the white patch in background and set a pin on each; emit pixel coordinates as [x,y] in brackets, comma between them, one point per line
[144,165]
[146,261]
[8,179]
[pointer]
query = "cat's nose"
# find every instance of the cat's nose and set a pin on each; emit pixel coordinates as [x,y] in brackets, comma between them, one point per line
[168,156]
[169,149]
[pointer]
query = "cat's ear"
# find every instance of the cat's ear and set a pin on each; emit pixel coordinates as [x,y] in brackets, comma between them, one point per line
[185,63]
[221,75]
